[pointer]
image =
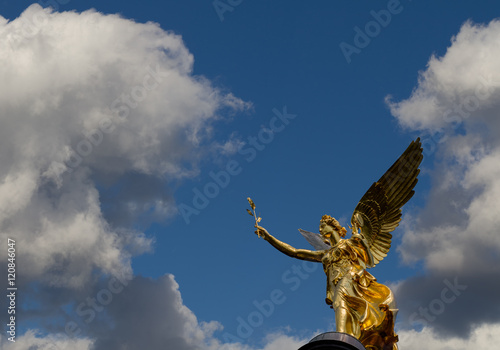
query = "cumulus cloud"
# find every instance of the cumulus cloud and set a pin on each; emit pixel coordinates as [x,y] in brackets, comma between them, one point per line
[32,340]
[482,338]
[98,114]
[164,319]
[90,99]
[456,107]
[150,313]
[139,313]
[460,87]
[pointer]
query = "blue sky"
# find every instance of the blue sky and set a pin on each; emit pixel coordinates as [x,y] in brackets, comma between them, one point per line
[114,121]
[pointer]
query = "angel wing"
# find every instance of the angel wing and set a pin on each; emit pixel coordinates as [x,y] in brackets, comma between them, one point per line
[314,239]
[379,211]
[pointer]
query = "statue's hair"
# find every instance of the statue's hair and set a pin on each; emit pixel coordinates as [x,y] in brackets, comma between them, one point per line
[331,221]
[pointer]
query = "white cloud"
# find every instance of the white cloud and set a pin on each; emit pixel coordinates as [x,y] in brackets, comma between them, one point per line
[32,340]
[482,337]
[282,341]
[88,97]
[459,92]
[461,86]
[457,106]
[145,313]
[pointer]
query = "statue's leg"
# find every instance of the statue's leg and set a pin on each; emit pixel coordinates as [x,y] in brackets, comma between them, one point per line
[341,315]
[344,319]
[346,323]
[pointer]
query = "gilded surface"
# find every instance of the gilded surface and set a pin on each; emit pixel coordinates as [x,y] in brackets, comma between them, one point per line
[363,307]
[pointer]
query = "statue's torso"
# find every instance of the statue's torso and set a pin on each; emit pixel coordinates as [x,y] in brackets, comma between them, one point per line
[344,260]
[340,261]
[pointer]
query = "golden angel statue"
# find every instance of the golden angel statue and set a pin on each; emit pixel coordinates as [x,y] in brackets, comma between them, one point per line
[363,307]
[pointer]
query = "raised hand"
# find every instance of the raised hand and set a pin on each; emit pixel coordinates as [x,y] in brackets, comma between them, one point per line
[261,232]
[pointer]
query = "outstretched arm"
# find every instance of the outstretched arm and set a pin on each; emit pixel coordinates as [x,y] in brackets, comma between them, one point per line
[302,254]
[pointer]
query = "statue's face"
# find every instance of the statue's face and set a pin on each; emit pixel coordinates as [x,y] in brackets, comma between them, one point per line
[325,230]
[329,232]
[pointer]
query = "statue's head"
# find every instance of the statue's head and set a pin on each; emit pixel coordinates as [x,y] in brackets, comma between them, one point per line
[330,228]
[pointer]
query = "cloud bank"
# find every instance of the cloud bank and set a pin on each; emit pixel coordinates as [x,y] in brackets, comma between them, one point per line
[90,103]
[456,107]
[89,98]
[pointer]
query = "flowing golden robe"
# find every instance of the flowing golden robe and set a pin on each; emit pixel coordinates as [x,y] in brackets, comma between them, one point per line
[363,307]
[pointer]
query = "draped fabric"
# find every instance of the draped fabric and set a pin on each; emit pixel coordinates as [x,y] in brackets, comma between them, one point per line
[354,293]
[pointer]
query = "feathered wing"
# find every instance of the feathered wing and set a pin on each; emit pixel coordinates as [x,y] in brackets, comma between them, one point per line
[314,239]
[378,212]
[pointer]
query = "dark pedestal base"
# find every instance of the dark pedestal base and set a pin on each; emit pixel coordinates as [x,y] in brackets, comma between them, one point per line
[333,341]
